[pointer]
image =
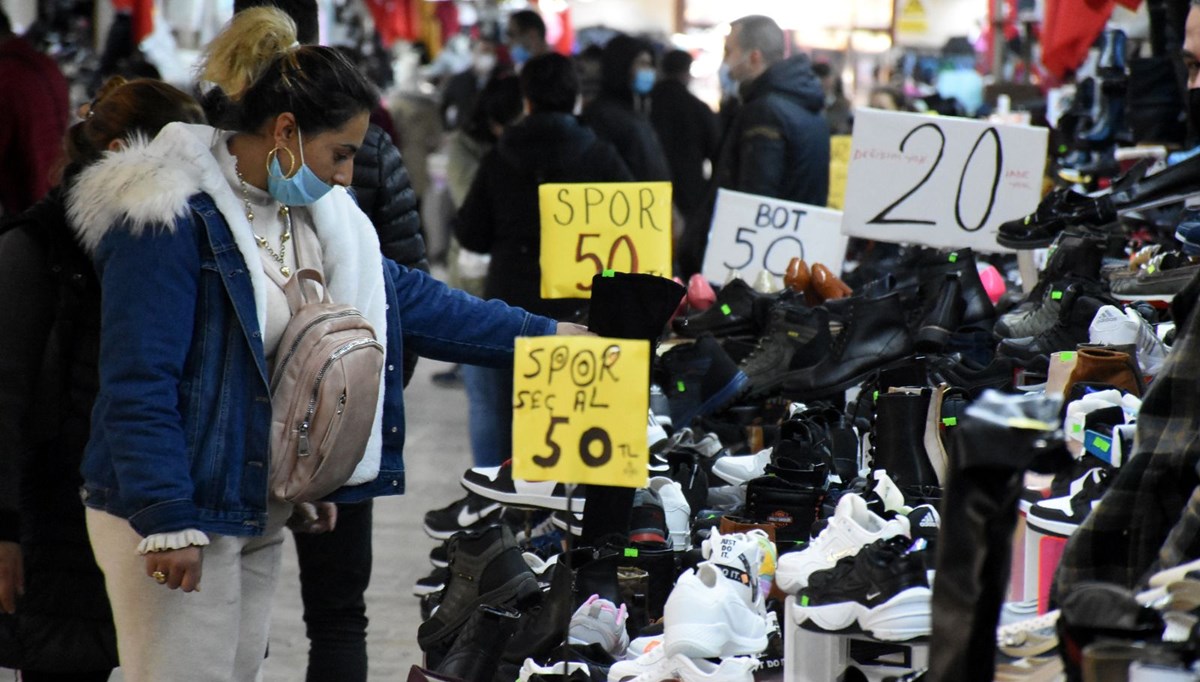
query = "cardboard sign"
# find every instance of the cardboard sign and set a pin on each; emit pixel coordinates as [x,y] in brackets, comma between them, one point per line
[750,234]
[579,410]
[589,228]
[940,181]
[839,167]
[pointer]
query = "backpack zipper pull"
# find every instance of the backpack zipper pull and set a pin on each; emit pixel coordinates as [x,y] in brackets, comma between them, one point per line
[304,439]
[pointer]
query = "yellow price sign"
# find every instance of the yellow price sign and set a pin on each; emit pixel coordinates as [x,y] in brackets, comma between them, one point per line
[591,227]
[579,410]
[839,170]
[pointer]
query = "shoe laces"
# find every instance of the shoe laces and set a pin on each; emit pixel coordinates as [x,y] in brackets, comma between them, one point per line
[1014,634]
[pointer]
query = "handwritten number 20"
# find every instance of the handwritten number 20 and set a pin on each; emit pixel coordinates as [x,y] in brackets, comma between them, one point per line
[884,217]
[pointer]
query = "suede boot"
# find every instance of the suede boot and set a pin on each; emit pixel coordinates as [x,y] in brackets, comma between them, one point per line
[1105,366]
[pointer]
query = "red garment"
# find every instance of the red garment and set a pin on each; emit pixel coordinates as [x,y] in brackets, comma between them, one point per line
[142,14]
[1070,28]
[33,121]
[396,19]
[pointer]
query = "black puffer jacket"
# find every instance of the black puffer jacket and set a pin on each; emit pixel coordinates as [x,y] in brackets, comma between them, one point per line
[48,382]
[778,146]
[500,214]
[614,119]
[385,194]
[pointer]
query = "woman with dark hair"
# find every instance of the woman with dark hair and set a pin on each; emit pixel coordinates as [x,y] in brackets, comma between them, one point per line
[55,621]
[194,236]
[627,76]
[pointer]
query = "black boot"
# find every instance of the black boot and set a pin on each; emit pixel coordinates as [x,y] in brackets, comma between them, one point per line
[979,513]
[796,337]
[625,306]
[733,314]
[944,315]
[978,311]
[898,441]
[1071,329]
[874,334]
[485,568]
[1074,257]
[476,651]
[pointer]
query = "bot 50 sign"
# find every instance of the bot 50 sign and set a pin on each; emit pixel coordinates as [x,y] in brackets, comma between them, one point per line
[940,181]
[750,233]
[579,410]
[591,227]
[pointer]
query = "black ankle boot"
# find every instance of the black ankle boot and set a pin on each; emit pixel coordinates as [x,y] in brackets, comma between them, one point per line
[1070,329]
[978,310]
[476,651]
[944,315]
[978,515]
[874,334]
[796,337]
[486,567]
[898,441]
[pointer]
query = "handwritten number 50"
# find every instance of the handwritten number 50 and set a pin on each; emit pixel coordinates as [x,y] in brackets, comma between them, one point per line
[884,216]
[581,256]
[594,435]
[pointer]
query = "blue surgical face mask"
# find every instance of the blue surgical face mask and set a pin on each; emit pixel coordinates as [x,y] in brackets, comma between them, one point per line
[643,81]
[520,55]
[302,189]
[729,86]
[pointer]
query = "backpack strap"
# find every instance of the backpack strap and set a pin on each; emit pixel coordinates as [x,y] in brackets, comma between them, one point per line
[294,289]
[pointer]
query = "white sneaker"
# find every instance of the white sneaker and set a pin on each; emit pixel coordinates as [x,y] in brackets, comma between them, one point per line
[679,513]
[705,617]
[656,435]
[743,558]
[599,621]
[852,527]
[1112,326]
[737,469]
[655,666]
[532,667]
[1077,412]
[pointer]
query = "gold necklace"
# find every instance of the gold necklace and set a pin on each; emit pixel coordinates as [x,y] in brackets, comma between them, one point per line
[284,214]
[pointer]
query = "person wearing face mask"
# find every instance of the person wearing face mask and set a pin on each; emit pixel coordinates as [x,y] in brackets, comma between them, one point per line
[616,114]
[525,35]
[458,97]
[778,144]
[193,236]
[687,129]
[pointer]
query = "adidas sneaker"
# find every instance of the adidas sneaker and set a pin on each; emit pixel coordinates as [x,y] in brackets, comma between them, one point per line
[883,590]
[1115,327]
[707,616]
[852,527]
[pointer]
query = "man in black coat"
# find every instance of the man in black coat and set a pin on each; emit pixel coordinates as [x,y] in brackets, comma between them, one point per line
[778,146]
[687,129]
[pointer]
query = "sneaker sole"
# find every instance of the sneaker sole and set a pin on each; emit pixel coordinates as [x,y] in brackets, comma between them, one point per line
[1144,297]
[710,640]
[437,534]
[420,590]
[907,615]
[527,500]
[1050,527]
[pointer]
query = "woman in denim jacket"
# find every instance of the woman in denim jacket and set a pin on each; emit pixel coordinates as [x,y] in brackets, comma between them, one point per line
[193,235]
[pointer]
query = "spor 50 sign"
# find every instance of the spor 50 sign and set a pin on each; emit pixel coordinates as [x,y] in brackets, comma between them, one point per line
[940,181]
[751,233]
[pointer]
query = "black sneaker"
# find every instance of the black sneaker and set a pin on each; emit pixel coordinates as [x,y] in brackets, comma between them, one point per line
[1070,330]
[732,314]
[700,379]
[467,513]
[796,337]
[647,520]
[790,507]
[434,582]
[883,591]
[497,484]
[1061,516]
[486,567]
[439,556]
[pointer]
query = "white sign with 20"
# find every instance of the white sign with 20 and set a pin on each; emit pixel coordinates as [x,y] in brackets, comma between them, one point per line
[751,233]
[940,181]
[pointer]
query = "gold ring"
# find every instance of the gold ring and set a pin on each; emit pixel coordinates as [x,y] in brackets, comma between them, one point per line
[159,577]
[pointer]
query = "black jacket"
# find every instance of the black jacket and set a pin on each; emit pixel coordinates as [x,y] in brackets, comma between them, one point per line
[777,146]
[500,214]
[385,194]
[688,131]
[48,383]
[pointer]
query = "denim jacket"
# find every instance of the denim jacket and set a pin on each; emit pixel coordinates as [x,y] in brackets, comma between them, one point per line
[180,429]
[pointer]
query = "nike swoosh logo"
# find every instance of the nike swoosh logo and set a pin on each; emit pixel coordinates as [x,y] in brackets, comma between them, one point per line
[872,595]
[467,518]
[834,556]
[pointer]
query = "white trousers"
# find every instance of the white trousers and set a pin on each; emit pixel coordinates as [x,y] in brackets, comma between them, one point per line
[218,634]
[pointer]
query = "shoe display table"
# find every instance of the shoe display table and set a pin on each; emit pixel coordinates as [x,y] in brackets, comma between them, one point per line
[810,656]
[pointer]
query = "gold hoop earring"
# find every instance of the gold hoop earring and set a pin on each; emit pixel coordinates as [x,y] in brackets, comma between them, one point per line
[275,153]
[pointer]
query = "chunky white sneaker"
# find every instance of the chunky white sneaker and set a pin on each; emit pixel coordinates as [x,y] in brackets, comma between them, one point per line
[679,513]
[532,667]
[745,559]
[852,527]
[655,666]
[737,469]
[706,617]
[599,621]
[1116,327]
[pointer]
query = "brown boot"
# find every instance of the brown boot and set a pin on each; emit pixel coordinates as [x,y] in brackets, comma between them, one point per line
[797,277]
[827,286]
[1105,366]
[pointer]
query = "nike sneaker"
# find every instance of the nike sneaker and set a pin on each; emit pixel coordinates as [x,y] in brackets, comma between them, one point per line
[498,485]
[468,513]
[655,665]
[708,615]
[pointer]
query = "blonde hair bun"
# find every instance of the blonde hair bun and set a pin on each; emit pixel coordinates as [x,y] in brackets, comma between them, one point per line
[251,42]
